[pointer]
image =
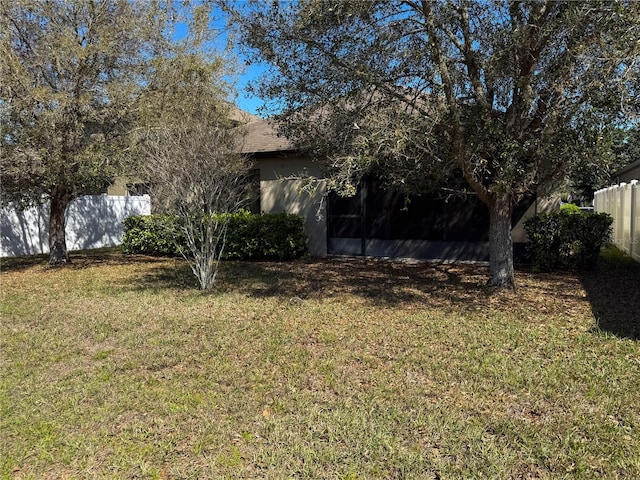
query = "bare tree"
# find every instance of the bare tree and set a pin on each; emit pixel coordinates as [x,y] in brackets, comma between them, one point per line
[189,147]
[197,175]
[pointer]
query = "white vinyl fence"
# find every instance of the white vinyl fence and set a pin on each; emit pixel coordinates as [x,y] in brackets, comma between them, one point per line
[93,221]
[622,202]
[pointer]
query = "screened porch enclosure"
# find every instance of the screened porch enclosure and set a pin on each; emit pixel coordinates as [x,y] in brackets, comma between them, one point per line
[380,222]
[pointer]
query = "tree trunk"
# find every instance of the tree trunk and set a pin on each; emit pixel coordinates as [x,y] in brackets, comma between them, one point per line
[58,254]
[501,243]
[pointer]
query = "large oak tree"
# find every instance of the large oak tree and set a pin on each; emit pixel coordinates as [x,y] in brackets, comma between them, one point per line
[506,93]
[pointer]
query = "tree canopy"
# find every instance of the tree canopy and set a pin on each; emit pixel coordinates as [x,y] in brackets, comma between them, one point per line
[612,149]
[73,77]
[504,93]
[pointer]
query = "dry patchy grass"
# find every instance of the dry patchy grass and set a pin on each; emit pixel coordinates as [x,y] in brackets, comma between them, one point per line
[115,367]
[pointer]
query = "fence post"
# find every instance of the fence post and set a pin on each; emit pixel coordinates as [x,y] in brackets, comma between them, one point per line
[632,218]
[619,218]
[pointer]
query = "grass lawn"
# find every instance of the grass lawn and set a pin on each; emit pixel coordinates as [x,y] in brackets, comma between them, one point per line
[116,367]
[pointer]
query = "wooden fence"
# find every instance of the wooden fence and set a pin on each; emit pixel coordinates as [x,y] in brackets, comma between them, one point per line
[622,202]
[91,222]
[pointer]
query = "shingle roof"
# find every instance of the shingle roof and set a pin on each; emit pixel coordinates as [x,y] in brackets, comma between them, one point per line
[258,135]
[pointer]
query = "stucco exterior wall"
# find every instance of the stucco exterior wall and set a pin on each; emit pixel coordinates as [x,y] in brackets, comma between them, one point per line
[542,205]
[118,188]
[278,193]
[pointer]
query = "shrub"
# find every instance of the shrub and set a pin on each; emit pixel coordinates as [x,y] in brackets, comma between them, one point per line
[570,208]
[276,236]
[249,236]
[592,231]
[544,232]
[569,239]
[152,235]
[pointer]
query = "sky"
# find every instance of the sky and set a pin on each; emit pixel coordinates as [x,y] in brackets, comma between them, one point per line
[249,73]
[246,101]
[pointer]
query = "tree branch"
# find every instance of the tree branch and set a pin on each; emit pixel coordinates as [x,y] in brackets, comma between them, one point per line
[471,60]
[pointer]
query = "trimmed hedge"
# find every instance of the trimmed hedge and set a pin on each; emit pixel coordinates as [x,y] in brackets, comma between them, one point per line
[273,236]
[152,235]
[567,240]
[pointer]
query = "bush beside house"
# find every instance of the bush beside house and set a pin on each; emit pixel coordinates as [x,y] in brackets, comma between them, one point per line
[569,239]
[276,236]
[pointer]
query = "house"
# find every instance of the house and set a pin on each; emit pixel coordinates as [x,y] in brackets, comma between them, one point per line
[375,222]
[628,173]
[276,162]
[280,169]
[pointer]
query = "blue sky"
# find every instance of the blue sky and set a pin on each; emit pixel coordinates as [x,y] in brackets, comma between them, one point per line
[249,73]
[245,100]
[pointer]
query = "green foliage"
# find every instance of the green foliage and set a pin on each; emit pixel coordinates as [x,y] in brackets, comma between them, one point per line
[510,93]
[71,76]
[567,239]
[605,150]
[77,81]
[544,244]
[278,236]
[570,208]
[249,236]
[152,235]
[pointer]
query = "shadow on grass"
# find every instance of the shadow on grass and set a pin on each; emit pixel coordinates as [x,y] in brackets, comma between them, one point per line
[167,274]
[445,287]
[381,283]
[15,264]
[437,286]
[613,290]
[79,259]
[377,281]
